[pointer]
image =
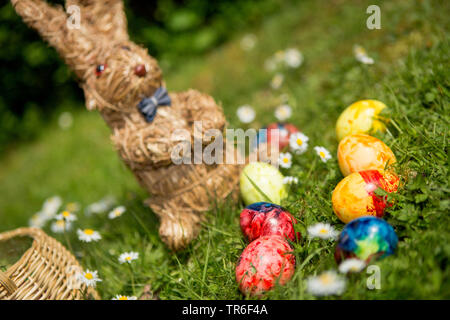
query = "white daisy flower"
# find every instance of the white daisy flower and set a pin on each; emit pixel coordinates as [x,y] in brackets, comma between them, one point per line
[285,160]
[290,180]
[88,235]
[89,278]
[101,206]
[352,265]
[246,114]
[298,142]
[323,153]
[66,215]
[37,220]
[128,257]
[59,226]
[293,58]
[328,283]
[96,207]
[361,55]
[248,42]
[323,231]
[283,112]
[117,212]
[121,297]
[277,81]
[65,120]
[366,60]
[51,206]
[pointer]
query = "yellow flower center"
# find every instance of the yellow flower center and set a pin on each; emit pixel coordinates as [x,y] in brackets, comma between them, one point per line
[117,213]
[322,154]
[88,232]
[123,298]
[326,279]
[66,214]
[285,160]
[128,258]
[323,230]
[60,223]
[89,276]
[360,51]
[299,141]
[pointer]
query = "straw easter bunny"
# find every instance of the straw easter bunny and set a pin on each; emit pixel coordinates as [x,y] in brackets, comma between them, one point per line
[124,83]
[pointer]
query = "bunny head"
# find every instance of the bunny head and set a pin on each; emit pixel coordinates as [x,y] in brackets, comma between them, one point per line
[114,72]
[122,77]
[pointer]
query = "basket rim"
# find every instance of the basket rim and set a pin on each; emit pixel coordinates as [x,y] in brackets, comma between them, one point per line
[35,234]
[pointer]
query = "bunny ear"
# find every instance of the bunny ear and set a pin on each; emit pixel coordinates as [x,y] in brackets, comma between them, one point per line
[104,17]
[72,41]
[83,35]
[48,20]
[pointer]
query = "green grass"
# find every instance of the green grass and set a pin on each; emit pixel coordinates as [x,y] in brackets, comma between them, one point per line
[410,75]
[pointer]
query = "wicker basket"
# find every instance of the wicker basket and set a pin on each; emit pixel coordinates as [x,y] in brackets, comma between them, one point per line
[46,271]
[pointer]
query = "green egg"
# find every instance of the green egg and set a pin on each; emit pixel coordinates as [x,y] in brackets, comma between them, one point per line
[261,181]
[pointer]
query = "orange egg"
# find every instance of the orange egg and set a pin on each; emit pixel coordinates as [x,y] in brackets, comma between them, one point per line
[358,152]
[354,196]
[361,117]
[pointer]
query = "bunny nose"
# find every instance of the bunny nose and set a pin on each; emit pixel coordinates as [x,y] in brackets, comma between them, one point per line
[140,70]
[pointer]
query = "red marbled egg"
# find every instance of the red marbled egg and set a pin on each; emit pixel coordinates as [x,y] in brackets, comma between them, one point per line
[265,219]
[355,196]
[263,264]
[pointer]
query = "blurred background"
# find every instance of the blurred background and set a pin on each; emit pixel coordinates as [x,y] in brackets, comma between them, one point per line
[35,84]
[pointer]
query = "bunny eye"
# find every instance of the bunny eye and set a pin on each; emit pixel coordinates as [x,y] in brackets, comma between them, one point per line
[99,69]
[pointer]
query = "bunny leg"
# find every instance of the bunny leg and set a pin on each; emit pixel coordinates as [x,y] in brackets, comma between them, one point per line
[178,226]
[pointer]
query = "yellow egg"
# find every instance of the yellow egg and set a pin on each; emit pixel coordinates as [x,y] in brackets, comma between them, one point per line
[360,117]
[355,196]
[358,152]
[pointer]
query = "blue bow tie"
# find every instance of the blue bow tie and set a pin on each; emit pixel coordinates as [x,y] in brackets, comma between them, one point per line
[148,106]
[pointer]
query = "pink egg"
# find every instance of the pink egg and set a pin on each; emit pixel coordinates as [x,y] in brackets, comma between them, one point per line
[282,134]
[264,219]
[263,264]
[285,131]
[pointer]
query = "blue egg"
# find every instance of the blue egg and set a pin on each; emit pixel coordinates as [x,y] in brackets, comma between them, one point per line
[263,206]
[366,238]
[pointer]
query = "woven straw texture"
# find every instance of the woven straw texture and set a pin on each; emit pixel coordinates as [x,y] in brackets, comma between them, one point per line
[179,193]
[46,271]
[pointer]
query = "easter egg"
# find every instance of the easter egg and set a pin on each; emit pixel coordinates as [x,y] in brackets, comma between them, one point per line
[360,117]
[260,181]
[264,263]
[358,152]
[266,219]
[355,196]
[270,135]
[366,238]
